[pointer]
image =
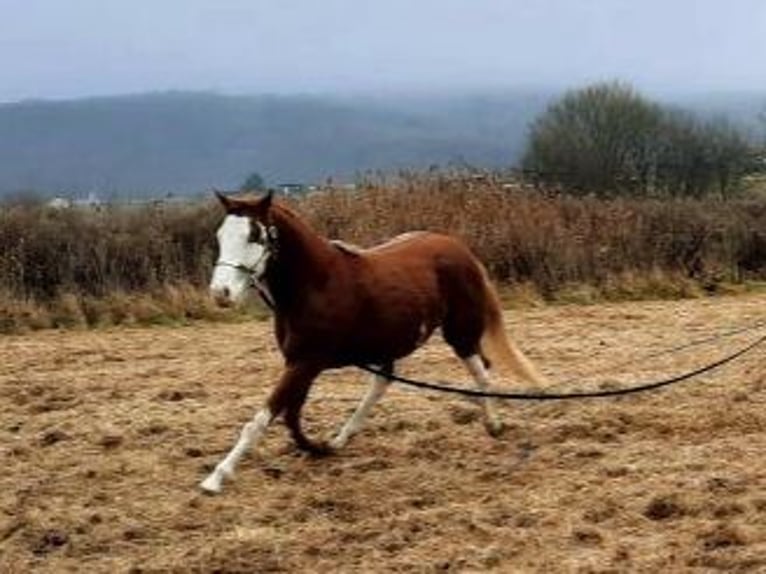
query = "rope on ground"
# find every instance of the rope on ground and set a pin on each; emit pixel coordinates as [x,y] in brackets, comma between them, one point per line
[538,396]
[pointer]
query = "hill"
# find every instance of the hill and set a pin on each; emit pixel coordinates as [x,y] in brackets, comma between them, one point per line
[188,142]
[185,143]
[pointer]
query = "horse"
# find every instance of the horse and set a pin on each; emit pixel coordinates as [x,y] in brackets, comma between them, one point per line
[336,305]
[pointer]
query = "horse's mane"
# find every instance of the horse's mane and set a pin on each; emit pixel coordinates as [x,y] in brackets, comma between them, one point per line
[280,208]
[291,217]
[288,217]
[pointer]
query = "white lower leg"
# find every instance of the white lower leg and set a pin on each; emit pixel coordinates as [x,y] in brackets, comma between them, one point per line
[250,434]
[479,373]
[376,391]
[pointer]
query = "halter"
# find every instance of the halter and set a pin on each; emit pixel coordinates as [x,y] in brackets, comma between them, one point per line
[269,249]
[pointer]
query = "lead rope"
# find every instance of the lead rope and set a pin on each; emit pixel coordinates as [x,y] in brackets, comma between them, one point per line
[535,396]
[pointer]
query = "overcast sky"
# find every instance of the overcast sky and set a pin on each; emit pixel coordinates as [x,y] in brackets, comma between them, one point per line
[74,48]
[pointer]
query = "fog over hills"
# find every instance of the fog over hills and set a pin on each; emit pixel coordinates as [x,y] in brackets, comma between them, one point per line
[155,144]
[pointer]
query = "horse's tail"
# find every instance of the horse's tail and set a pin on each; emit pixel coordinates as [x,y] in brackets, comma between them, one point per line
[497,347]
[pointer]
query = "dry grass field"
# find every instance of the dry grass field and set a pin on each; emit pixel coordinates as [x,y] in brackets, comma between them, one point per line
[105,434]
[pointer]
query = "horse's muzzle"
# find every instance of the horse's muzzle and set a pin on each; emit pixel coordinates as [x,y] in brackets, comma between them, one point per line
[222,296]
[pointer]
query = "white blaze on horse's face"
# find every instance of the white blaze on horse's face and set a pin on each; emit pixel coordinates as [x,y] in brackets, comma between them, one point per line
[243,253]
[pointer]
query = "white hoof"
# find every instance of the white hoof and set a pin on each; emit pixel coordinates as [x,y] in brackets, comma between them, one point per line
[213,483]
[338,442]
[495,427]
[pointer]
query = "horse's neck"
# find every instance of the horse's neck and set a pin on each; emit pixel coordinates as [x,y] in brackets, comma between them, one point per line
[303,260]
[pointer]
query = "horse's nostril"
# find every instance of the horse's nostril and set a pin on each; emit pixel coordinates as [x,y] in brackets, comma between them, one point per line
[221,295]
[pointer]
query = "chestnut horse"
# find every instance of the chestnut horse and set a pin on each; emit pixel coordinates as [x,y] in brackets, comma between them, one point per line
[336,305]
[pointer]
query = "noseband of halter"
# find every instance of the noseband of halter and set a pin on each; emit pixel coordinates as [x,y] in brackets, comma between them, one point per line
[240,267]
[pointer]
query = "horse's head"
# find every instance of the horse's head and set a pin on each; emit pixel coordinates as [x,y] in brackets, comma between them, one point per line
[246,241]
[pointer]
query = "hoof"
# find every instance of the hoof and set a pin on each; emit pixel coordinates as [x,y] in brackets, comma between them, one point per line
[213,484]
[336,444]
[321,450]
[495,429]
[313,449]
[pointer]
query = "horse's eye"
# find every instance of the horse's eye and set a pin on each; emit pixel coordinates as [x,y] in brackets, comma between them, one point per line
[256,232]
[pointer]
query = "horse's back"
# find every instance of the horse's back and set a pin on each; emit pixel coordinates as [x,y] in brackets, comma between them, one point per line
[414,244]
[356,250]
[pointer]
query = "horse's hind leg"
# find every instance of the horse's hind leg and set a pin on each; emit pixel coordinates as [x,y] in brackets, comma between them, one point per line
[462,331]
[476,366]
[374,394]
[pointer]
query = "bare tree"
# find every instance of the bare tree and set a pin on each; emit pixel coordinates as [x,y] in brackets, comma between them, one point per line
[607,139]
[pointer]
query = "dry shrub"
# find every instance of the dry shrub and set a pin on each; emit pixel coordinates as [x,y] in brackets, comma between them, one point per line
[151,263]
[66,311]
[557,242]
[19,315]
[184,301]
[99,251]
[630,285]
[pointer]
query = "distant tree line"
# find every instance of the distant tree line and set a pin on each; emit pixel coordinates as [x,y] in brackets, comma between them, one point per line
[253,182]
[607,139]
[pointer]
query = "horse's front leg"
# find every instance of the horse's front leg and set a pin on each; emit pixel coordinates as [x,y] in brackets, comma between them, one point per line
[291,397]
[288,397]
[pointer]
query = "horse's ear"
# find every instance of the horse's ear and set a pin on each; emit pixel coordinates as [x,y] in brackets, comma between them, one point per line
[264,204]
[268,198]
[225,201]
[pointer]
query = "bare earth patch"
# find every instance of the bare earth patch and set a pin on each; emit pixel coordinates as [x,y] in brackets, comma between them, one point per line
[104,436]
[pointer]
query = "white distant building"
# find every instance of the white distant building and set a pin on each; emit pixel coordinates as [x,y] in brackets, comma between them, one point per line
[290,189]
[91,201]
[60,203]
